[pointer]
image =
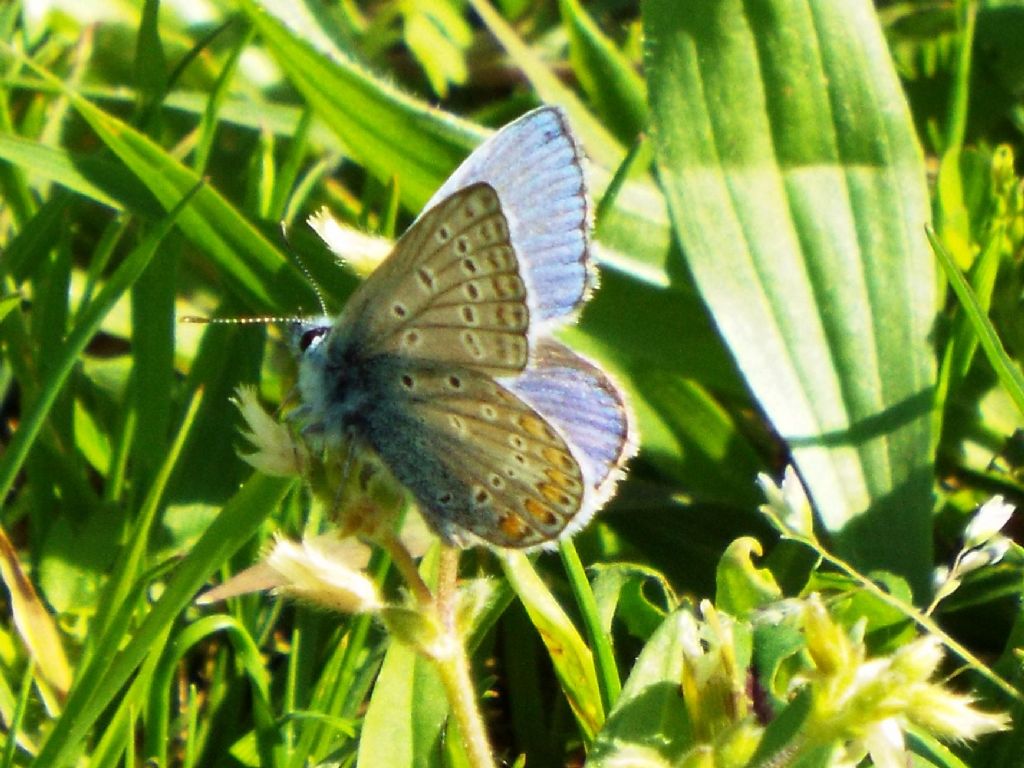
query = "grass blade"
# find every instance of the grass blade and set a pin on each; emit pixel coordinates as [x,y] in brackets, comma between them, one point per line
[1006,369]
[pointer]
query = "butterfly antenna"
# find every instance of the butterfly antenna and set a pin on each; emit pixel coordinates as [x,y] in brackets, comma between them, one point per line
[269,319]
[305,270]
[258,320]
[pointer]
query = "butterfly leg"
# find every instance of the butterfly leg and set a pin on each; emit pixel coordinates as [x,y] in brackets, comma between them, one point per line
[346,471]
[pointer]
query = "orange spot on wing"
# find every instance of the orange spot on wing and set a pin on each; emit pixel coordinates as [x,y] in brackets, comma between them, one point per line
[535,427]
[512,527]
[554,494]
[539,512]
[560,479]
[559,458]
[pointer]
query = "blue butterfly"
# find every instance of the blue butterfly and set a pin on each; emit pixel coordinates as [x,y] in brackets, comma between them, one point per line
[443,362]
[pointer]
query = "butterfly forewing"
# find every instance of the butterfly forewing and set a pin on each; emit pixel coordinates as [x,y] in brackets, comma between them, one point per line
[451,290]
[477,457]
[536,166]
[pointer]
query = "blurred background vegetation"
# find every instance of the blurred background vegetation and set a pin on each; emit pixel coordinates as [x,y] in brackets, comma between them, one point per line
[764,173]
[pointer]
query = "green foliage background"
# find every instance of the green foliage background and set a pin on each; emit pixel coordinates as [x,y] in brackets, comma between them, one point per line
[764,173]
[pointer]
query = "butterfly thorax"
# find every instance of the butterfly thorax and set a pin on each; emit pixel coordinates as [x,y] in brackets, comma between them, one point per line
[335,379]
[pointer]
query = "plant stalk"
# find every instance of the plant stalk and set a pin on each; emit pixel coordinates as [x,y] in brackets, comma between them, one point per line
[453,665]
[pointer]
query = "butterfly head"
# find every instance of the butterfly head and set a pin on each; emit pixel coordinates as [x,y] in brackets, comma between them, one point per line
[307,334]
[308,339]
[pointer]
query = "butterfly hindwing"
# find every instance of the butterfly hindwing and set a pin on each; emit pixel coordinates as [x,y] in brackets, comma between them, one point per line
[582,402]
[476,457]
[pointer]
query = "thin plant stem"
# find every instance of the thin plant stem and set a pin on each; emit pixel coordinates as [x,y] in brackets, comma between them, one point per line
[453,664]
[403,561]
[447,583]
[908,610]
[455,675]
[449,654]
[600,641]
[926,623]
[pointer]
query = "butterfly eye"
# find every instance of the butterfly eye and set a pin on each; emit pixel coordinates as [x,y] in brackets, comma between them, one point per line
[307,338]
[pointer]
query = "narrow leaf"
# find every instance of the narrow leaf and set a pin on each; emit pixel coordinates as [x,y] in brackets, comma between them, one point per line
[616,90]
[88,324]
[648,725]
[572,659]
[1006,369]
[36,626]
[96,687]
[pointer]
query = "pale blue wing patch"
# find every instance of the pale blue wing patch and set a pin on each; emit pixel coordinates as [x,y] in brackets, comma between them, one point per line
[588,409]
[536,166]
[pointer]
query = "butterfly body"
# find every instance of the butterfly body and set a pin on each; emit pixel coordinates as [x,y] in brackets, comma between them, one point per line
[442,361]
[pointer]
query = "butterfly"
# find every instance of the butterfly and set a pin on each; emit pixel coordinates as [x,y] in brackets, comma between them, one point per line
[443,360]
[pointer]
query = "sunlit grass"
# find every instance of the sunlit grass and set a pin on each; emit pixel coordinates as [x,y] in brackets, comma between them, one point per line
[767,298]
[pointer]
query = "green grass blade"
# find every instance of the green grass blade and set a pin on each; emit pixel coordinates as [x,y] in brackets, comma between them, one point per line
[286,185]
[13,181]
[152,337]
[35,237]
[94,178]
[250,661]
[392,134]
[599,640]
[130,564]
[618,93]
[382,127]
[1006,369]
[17,718]
[251,111]
[572,659]
[211,116]
[261,275]
[122,279]
[550,88]
[237,522]
[150,65]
